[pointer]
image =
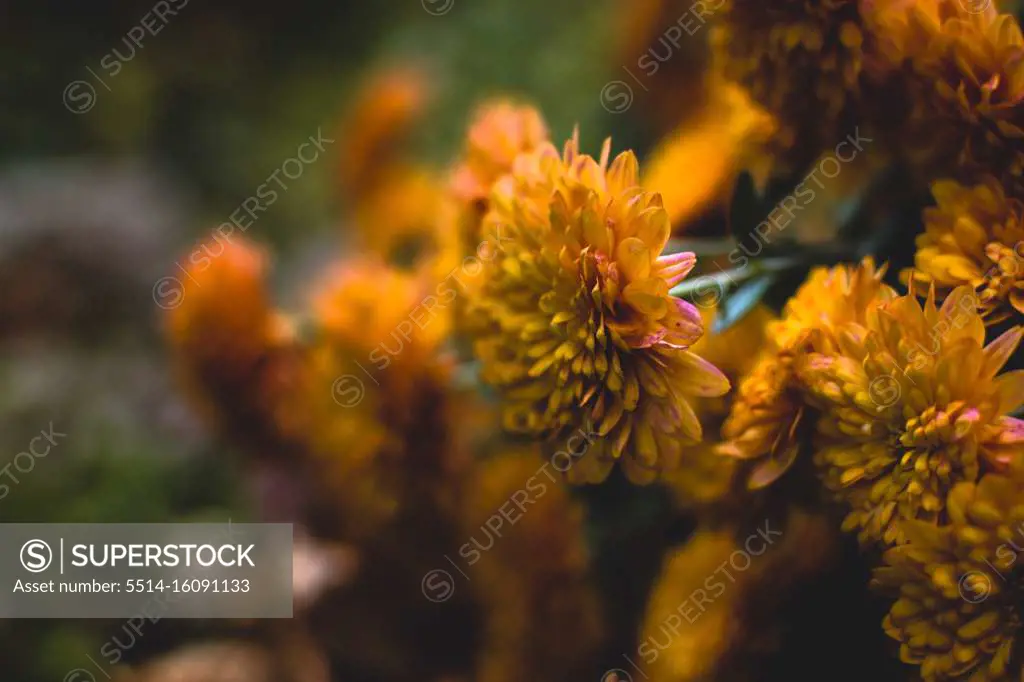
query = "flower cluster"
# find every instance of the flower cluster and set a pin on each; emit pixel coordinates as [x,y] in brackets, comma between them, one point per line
[529,310]
[902,407]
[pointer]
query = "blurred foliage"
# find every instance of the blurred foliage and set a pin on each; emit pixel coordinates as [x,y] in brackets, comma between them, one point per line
[224,93]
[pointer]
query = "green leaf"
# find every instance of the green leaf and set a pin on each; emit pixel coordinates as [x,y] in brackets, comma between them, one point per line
[735,307]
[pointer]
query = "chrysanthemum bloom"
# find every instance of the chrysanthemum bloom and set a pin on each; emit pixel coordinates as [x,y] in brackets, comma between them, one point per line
[579,332]
[236,354]
[801,61]
[764,425]
[974,236]
[767,420]
[501,130]
[911,404]
[958,614]
[959,65]
[377,391]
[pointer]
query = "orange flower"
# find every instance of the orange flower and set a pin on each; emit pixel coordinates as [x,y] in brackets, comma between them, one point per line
[400,219]
[236,355]
[500,131]
[379,122]
[911,403]
[974,236]
[578,330]
[767,420]
[377,395]
[957,65]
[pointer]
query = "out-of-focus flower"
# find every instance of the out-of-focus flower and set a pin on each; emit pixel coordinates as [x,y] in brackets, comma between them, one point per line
[661,54]
[911,404]
[382,318]
[801,61]
[500,131]
[693,652]
[579,331]
[958,613]
[958,66]
[703,620]
[526,552]
[400,218]
[974,236]
[236,355]
[720,140]
[766,423]
[377,128]
[377,392]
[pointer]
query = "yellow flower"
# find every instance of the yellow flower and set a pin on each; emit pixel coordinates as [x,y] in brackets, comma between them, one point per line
[958,66]
[974,236]
[767,422]
[911,404]
[801,61]
[958,613]
[579,331]
[764,425]
[829,299]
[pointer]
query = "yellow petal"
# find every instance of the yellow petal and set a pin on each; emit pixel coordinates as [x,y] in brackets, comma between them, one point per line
[634,259]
